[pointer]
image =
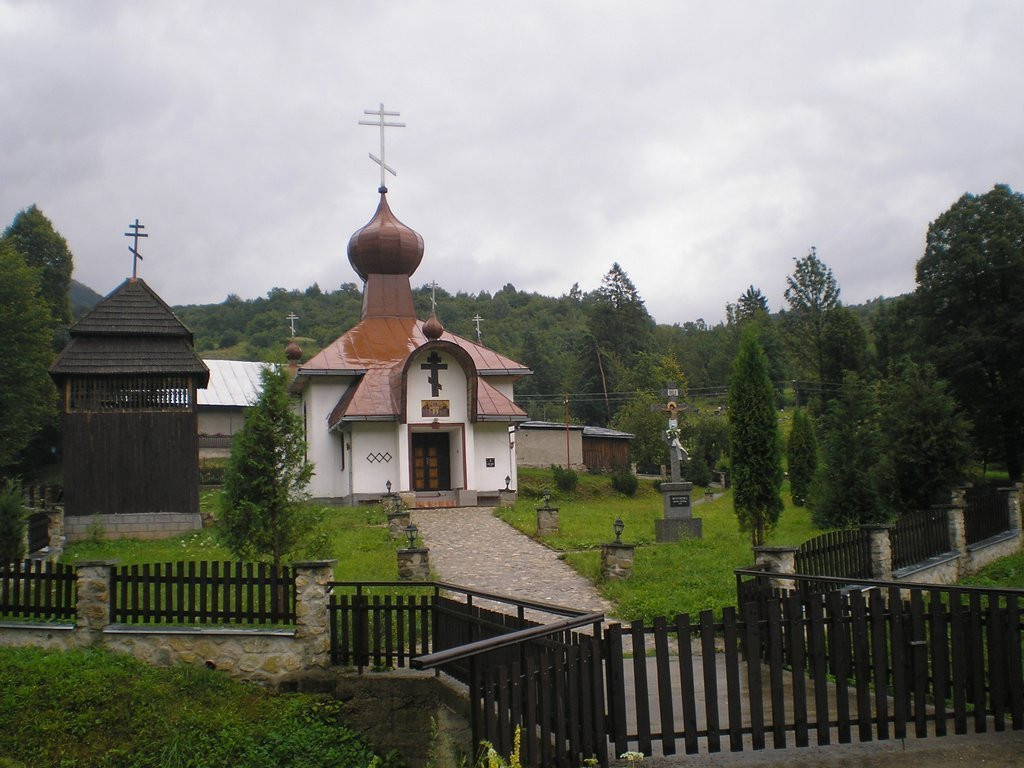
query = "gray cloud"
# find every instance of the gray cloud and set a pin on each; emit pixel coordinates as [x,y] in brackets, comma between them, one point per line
[701,146]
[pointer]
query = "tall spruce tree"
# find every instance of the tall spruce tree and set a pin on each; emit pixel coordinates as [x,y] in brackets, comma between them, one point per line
[846,488]
[801,456]
[263,509]
[812,292]
[754,443]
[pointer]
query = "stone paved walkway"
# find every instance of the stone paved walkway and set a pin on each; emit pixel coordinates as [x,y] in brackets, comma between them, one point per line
[470,547]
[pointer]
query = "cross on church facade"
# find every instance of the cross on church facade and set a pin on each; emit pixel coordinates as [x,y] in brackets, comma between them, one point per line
[381,123]
[135,234]
[291,318]
[434,365]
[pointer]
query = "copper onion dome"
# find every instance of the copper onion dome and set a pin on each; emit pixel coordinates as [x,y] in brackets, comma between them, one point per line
[385,246]
[293,352]
[433,329]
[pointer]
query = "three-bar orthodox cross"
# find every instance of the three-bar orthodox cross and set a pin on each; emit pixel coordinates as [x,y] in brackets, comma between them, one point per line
[135,234]
[291,318]
[381,123]
[476,321]
[434,365]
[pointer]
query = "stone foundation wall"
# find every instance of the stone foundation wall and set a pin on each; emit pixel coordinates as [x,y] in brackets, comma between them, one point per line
[139,525]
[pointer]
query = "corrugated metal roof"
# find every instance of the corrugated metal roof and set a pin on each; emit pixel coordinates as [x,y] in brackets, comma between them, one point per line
[548,425]
[232,383]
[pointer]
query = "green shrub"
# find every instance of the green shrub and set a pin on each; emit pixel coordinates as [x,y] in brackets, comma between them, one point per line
[624,481]
[12,522]
[565,479]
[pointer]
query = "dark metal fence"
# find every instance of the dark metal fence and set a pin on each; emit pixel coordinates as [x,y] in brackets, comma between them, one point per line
[986,513]
[36,589]
[836,553]
[917,536]
[202,593]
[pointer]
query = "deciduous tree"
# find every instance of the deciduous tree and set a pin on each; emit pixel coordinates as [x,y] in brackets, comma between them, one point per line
[970,290]
[27,394]
[33,236]
[754,443]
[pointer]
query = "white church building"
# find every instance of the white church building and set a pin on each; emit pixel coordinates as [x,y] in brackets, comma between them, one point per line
[397,403]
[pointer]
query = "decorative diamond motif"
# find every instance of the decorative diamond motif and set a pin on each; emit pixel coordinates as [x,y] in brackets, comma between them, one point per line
[381,457]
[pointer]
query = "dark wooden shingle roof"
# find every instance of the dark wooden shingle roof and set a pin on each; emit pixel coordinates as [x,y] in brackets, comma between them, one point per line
[132,331]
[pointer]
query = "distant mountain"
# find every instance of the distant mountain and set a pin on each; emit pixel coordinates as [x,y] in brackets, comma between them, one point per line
[83,298]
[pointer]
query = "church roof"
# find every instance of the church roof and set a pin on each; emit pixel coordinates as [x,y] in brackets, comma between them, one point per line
[375,351]
[130,332]
[384,342]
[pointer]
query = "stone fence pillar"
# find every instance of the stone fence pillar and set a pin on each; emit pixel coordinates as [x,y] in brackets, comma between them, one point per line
[93,609]
[1013,494]
[880,546]
[312,622]
[780,560]
[956,526]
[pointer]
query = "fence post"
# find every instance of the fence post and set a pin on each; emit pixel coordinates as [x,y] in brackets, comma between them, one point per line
[880,544]
[56,532]
[781,560]
[957,525]
[93,605]
[312,619]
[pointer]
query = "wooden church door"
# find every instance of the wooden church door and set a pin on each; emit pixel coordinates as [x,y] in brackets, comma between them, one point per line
[431,468]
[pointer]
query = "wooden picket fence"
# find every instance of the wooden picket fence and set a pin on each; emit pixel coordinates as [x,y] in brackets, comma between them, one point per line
[832,661]
[37,589]
[202,593]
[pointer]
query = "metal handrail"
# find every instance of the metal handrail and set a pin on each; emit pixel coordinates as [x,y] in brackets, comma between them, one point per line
[559,610]
[431,660]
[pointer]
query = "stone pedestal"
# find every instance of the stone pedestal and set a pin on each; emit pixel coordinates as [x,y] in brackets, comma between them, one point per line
[673,529]
[617,560]
[414,564]
[506,498]
[397,523]
[547,521]
[677,506]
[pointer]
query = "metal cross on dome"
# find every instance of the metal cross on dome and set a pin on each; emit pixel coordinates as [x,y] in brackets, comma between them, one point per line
[134,247]
[381,123]
[291,318]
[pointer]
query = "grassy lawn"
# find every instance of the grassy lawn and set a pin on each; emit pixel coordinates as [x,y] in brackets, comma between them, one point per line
[678,577]
[1006,572]
[357,537]
[94,708]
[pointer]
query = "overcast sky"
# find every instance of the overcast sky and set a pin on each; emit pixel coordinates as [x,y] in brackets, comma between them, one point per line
[703,146]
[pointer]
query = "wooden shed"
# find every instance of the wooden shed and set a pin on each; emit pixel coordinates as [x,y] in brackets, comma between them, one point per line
[128,379]
[605,449]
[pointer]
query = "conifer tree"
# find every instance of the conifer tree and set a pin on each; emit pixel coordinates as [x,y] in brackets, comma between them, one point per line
[263,513]
[755,447]
[802,456]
